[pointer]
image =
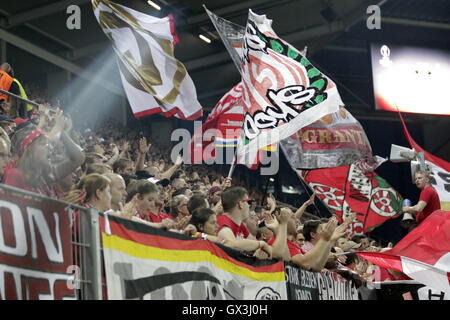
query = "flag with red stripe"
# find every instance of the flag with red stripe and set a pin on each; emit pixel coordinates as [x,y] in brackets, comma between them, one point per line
[283,91]
[221,129]
[154,81]
[142,262]
[423,255]
[439,169]
[347,189]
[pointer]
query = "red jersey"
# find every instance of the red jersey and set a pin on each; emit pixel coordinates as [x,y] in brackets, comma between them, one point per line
[240,232]
[155,218]
[16,178]
[294,248]
[430,196]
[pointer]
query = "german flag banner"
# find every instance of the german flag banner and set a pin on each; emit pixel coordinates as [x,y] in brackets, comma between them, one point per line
[142,262]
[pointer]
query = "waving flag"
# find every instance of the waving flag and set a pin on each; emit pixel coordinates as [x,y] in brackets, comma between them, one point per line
[347,189]
[423,255]
[283,91]
[221,129]
[335,140]
[153,79]
[232,36]
[439,169]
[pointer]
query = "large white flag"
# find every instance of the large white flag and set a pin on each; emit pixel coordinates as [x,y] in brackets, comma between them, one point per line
[153,79]
[283,91]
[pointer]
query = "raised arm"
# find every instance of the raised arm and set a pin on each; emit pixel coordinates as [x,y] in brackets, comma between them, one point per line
[75,155]
[114,157]
[272,203]
[298,214]
[143,149]
[317,257]
[279,246]
[167,174]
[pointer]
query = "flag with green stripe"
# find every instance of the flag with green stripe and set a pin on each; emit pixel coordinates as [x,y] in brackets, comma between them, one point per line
[283,91]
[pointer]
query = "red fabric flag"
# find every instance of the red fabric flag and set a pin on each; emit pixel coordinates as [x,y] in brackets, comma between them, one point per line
[226,118]
[428,156]
[439,170]
[423,255]
[347,189]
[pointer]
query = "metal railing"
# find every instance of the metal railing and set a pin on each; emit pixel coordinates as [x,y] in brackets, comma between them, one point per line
[85,242]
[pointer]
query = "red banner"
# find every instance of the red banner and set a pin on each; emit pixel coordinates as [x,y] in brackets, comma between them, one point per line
[423,254]
[35,249]
[336,139]
[221,129]
[347,189]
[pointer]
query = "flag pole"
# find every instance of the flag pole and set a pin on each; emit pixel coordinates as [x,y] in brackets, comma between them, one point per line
[233,164]
[306,187]
[19,98]
[265,190]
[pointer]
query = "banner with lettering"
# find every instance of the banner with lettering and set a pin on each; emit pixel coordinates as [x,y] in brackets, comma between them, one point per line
[347,189]
[307,285]
[35,249]
[142,262]
[283,91]
[335,140]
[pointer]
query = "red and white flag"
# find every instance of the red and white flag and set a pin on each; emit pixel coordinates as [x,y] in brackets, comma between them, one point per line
[221,129]
[153,79]
[423,255]
[346,190]
[283,92]
[439,170]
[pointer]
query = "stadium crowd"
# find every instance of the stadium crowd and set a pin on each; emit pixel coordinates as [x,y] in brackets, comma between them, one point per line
[119,172]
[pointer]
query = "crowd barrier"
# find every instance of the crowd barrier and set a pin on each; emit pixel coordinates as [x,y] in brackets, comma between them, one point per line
[50,249]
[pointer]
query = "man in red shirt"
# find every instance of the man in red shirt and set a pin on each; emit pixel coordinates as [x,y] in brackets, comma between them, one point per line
[428,201]
[316,258]
[236,206]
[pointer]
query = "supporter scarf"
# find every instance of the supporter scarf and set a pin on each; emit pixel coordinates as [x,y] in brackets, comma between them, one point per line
[33,135]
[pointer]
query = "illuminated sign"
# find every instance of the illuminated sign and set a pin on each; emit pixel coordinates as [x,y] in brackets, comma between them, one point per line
[414,79]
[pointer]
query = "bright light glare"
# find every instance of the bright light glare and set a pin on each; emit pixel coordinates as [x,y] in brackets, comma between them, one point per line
[414,79]
[154,5]
[207,40]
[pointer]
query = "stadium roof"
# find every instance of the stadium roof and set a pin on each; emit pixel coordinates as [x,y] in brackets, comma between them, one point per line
[335,32]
